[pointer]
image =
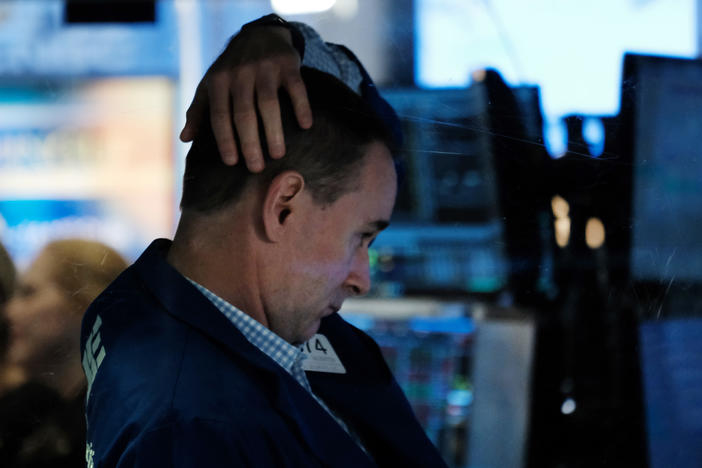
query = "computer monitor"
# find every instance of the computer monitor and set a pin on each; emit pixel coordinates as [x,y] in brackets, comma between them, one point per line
[662,108]
[671,365]
[446,232]
[661,116]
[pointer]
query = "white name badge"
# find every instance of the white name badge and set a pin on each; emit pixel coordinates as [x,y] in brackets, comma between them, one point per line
[321,357]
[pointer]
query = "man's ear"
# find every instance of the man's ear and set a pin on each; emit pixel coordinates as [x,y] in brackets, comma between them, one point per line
[280,202]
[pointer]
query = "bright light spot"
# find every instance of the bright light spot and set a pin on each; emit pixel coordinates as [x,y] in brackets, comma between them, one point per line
[525,42]
[346,9]
[594,135]
[556,138]
[299,7]
[562,228]
[560,207]
[459,397]
[594,233]
[568,406]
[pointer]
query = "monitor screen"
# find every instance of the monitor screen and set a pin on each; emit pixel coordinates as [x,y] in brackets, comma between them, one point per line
[671,365]
[446,233]
[662,115]
[665,112]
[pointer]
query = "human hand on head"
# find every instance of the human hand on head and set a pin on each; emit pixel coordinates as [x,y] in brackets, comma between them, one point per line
[245,78]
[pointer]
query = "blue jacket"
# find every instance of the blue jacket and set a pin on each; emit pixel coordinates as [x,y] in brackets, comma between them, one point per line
[173,383]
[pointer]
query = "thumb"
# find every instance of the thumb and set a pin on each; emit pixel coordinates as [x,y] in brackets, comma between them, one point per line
[194,115]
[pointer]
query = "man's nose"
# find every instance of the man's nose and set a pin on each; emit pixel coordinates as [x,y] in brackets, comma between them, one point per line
[358,282]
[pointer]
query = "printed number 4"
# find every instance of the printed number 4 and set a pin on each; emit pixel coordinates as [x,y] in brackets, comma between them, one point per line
[317,346]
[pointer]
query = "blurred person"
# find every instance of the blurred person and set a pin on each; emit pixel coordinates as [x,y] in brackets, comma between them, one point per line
[7,275]
[42,412]
[196,355]
[7,284]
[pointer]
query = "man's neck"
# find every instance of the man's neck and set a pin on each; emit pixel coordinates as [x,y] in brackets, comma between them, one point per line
[226,265]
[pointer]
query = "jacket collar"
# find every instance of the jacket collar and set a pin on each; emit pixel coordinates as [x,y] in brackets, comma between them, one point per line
[186,304]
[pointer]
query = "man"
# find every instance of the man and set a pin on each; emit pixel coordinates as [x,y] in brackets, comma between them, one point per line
[193,355]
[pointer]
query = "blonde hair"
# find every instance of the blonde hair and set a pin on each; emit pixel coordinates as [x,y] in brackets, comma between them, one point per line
[83,269]
[7,275]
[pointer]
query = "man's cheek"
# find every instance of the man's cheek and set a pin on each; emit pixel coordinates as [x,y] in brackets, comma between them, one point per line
[322,269]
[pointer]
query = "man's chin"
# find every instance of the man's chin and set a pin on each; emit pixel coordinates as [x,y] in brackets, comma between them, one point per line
[309,333]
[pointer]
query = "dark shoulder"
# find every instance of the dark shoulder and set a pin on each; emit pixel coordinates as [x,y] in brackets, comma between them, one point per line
[342,331]
[357,350]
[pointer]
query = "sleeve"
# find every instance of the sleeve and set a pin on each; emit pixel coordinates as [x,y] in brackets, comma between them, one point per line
[315,53]
[339,61]
[329,58]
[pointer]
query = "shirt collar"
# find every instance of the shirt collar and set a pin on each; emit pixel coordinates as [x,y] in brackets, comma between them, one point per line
[283,353]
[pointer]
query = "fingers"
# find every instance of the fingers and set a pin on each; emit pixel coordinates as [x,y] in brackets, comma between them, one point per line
[242,112]
[236,95]
[298,94]
[221,118]
[246,122]
[269,109]
[243,83]
[194,114]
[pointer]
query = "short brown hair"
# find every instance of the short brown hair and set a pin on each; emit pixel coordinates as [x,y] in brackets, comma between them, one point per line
[328,155]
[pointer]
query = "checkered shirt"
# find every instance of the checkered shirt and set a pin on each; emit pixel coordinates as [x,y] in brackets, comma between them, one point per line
[283,353]
[328,57]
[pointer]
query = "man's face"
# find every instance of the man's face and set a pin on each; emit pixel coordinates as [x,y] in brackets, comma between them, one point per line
[43,321]
[328,255]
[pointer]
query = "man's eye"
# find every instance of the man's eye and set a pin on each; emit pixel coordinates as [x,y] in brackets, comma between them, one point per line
[367,237]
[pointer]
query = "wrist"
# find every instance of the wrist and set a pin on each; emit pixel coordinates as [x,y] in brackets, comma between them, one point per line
[278,25]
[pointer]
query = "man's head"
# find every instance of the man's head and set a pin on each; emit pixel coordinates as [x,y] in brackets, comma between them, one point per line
[327,155]
[293,240]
